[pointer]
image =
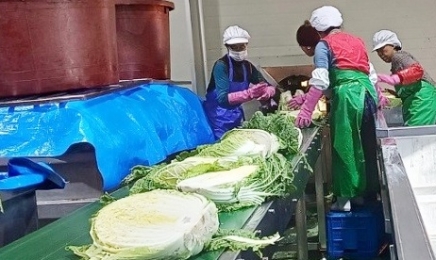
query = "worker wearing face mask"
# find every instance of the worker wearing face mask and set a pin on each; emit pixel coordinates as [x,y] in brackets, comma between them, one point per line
[413,85]
[342,65]
[234,81]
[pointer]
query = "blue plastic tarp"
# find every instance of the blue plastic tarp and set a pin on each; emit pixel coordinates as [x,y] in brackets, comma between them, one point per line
[24,173]
[140,125]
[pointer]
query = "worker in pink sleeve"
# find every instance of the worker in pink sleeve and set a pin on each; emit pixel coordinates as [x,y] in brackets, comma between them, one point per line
[413,85]
[307,38]
[342,66]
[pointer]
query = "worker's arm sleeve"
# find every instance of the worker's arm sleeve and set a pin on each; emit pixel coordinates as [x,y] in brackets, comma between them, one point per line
[221,77]
[256,76]
[412,74]
[320,75]
[411,71]
[372,74]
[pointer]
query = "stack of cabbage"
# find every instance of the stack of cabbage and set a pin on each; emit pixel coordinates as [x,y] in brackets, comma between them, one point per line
[241,170]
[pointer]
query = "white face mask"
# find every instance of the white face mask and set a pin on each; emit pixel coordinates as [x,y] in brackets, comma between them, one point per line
[238,55]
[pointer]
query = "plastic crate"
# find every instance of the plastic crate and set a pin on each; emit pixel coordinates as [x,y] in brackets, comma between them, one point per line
[357,234]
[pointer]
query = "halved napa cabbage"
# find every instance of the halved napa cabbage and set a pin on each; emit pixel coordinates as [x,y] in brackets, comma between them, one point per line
[247,185]
[160,224]
[168,176]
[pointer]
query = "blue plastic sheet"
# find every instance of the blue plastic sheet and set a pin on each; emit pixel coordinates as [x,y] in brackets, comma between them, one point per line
[140,125]
[24,173]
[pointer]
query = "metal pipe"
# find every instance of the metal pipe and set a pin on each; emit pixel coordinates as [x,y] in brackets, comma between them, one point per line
[195,19]
[203,41]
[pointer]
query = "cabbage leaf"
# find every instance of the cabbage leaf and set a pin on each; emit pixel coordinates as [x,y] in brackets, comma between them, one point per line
[242,142]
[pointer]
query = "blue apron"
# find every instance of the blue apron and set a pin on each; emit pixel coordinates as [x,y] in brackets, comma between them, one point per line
[224,119]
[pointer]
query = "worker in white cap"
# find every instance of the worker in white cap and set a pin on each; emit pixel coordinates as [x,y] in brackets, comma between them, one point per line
[234,81]
[342,65]
[308,37]
[413,85]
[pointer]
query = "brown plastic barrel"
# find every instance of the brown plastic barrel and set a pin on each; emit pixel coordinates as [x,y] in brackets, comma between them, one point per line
[56,45]
[143,38]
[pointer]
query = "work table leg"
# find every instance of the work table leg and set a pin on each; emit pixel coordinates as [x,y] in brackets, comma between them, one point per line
[320,207]
[300,222]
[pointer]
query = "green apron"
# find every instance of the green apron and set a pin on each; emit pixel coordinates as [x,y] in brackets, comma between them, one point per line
[419,103]
[349,88]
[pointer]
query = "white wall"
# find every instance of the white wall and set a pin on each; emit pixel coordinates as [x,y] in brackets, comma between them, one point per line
[181,43]
[273,23]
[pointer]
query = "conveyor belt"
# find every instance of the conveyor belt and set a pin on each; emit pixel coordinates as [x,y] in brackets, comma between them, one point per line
[49,242]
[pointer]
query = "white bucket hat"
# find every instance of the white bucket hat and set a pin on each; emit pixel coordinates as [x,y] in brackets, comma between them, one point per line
[326,17]
[383,38]
[235,34]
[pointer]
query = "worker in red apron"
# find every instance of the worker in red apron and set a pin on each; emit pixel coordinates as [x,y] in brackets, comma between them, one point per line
[412,83]
[307,38]
[234,81]
[342,65]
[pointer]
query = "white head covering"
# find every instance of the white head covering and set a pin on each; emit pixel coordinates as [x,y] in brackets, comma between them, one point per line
[383,38]
[235,34]
[326,17]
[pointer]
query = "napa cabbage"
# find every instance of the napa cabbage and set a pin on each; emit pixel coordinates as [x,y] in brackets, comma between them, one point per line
[247,185]
[230,182]
[280,124]
[168,176]
[162,225]
[285,97]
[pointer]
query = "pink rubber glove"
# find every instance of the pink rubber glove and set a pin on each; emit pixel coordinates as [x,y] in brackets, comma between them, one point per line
[268,93]
[297,101]
[239,97]
[304,118]
[382,100]
[257,90]
[392,80]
